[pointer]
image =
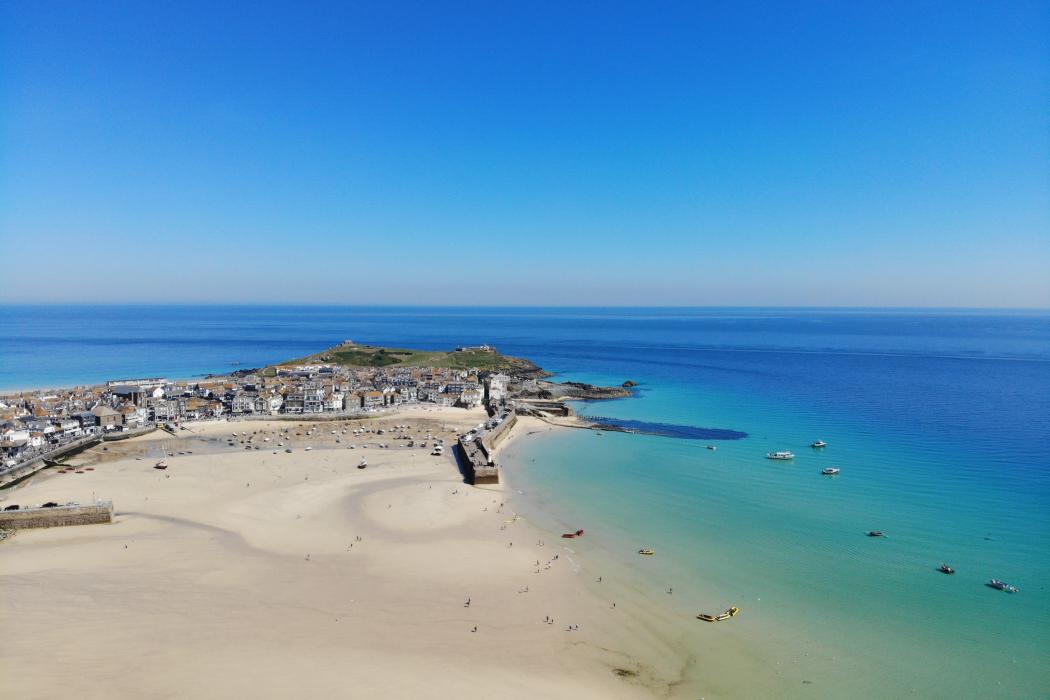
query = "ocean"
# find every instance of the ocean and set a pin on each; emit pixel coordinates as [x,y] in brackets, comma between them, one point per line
[938,420]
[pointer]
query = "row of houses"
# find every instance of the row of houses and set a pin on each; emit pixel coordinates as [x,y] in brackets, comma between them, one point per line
[33,423]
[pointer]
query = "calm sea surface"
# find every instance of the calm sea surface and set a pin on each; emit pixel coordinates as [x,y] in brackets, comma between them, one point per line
[940,422]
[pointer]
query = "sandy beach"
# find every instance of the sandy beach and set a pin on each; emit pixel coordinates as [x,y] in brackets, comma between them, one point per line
[257,572]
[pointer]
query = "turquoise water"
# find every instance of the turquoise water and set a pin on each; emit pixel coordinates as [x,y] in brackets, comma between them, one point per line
[859,616]
[940,422]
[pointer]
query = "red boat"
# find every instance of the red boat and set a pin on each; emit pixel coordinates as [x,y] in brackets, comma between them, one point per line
[571,535]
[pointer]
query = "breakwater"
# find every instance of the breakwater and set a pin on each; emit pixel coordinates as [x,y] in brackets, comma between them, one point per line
[477,451]
[57,516]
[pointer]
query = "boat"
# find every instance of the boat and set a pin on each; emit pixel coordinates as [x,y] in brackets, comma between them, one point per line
[830,471]
[646,552]
[571,535]
[819,443]
[288,450]
[731,612]
[362,464]
[876,533]
[308,448]
[712,448]
[780,455]
[1003,586]
[161,465]
[945,569]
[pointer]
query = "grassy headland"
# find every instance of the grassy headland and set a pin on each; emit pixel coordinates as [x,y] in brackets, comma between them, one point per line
[355,355]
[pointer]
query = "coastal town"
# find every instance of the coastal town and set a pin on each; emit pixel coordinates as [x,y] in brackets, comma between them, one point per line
[37,423]
[348,381]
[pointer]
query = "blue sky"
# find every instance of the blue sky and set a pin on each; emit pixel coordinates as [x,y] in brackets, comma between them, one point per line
[527,153]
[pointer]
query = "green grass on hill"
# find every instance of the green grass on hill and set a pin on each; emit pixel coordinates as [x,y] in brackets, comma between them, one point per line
[371,356]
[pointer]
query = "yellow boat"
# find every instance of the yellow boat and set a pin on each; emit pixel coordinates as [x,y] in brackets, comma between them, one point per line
[731,612]
[646,552]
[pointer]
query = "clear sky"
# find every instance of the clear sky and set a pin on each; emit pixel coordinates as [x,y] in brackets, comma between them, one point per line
[834,153]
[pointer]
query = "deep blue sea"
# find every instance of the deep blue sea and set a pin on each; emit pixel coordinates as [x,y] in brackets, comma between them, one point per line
[939,421]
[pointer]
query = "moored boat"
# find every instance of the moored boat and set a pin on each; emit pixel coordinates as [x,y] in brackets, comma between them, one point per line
[731,612]
[830,471]
[945,569]
[780,455]
[818,444]
[876,533]
[1003,586]
[646,552]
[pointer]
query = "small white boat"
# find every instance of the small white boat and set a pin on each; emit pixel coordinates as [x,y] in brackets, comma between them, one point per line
[308,448]
[362,464]
[830,471]
[819,443]
[780,455]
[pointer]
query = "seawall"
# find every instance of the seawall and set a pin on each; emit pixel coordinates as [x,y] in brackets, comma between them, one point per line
[57,516]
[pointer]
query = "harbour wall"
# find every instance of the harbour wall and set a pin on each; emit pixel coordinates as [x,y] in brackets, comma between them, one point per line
[58,516]
[478,454]
[12,475]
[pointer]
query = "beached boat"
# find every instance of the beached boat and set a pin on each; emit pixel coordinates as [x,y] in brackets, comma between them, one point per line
[830,471]
[288,450]
[161,465]
[646,552]
[876,533]
[731,612]
[780,455]
[1003,586]
[818,444]
[571,535]
[945,569]
[362,464]
[308,448]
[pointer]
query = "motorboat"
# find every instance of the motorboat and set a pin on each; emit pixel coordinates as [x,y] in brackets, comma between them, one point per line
[712,448]
[830,471]
[288,450]
[161,465]
[1003,586]
[731,612]
[308,448]
[646,552]
[362,464]
[819,443]
[780,455]
[876,533]
[945,569]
